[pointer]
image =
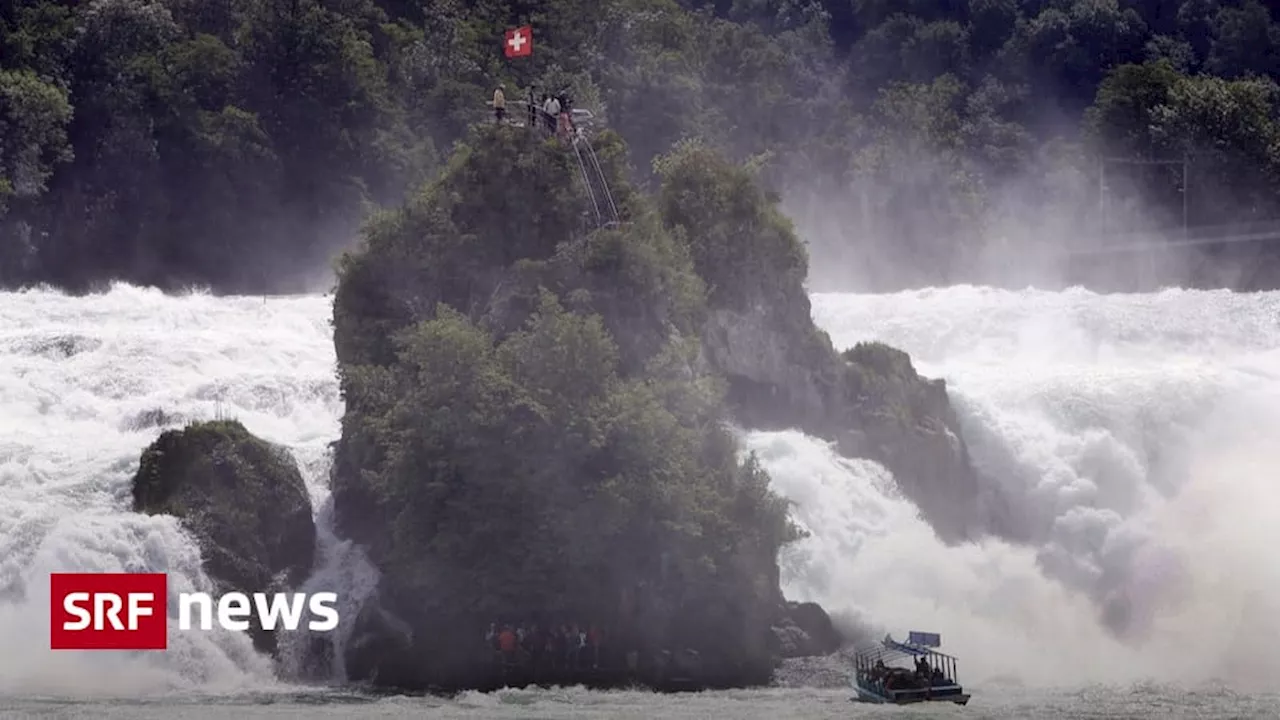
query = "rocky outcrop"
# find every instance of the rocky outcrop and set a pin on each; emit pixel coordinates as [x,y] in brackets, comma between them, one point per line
[804,629]
[783,373]
[530,440]
[906,422]
[773,381]
[380,649]
[242,498]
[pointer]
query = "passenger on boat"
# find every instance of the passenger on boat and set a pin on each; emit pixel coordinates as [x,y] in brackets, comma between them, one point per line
[938,677]
[922,669]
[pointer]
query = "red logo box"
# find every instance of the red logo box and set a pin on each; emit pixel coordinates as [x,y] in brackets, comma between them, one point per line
[108,611]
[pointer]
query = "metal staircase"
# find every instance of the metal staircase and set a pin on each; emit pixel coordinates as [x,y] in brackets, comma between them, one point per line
[595,181]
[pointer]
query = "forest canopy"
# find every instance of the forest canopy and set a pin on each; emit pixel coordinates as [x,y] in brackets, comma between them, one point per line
[239,144]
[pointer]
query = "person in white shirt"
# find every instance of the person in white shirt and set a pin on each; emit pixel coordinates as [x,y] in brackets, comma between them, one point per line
[552,108]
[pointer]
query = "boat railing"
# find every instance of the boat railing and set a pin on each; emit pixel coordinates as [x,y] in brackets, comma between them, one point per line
[868,663]
[882,678]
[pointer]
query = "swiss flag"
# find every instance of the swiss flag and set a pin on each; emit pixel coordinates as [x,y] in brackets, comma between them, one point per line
[519,42]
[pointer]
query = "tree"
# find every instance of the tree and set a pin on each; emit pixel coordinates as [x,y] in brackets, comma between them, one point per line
[1122,116]
[33,142]
[1246,42]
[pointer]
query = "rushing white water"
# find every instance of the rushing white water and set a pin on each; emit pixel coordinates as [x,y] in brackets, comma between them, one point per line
[1136,437]
[1132,435]
[78,379]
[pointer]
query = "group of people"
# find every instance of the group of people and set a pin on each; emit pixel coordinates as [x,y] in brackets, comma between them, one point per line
[901,678]
[569,646]
[554,112]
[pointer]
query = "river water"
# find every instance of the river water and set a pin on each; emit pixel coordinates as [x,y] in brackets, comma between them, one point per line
[1133,434]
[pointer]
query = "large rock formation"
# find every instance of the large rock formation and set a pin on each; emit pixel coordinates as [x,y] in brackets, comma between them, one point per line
[531,437]
[869,400]
[244,501]
[783,372]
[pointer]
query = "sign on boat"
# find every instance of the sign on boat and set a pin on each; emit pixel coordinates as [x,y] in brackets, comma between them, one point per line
[901,673]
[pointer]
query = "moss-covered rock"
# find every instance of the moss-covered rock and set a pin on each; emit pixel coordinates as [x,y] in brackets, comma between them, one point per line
[242,498]
[782,371]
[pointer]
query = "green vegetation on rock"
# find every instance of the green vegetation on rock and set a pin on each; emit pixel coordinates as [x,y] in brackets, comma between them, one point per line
[528,433]
[242,499]
[882,377]
[782,371]
[743,247]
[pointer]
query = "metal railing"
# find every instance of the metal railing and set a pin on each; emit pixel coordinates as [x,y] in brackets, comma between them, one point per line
[573,129]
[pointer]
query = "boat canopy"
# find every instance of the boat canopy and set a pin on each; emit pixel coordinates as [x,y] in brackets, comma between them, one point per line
[917,645]
[891,649]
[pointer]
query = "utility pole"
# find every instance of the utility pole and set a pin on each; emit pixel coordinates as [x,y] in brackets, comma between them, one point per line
[1148,259]
[1185,197]
[1102,183]
[1102,197]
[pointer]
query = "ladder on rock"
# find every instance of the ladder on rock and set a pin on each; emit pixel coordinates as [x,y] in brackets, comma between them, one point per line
[593,176]
[594,179]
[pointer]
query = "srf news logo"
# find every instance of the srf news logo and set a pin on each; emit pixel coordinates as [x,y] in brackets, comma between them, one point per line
[128,611]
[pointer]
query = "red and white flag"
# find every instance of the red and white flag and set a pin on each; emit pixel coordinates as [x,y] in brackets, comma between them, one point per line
[519,42]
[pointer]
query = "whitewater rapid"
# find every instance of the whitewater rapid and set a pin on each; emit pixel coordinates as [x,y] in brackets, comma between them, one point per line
[1135,437]
[1131,435]
[80,378]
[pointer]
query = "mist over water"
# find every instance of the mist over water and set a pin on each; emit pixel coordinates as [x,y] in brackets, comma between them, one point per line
[1130,433]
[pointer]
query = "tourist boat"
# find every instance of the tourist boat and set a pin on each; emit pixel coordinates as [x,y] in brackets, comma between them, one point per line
[901,673]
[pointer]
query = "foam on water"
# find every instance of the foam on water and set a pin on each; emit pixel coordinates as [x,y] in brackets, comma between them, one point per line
[1132,435]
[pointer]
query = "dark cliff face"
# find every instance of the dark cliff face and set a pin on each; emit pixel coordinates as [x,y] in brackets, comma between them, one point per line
[242,498]
[782,371]
[531,439]
[869,401]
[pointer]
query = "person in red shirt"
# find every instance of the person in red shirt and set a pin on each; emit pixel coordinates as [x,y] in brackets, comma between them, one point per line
[507,644]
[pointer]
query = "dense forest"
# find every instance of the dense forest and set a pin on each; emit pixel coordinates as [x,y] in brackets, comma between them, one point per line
[240,143]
